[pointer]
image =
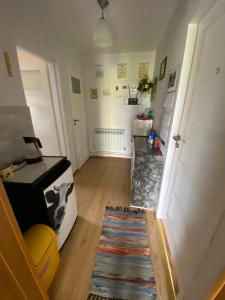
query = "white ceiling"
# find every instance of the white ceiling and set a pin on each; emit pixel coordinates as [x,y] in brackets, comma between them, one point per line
[137,25]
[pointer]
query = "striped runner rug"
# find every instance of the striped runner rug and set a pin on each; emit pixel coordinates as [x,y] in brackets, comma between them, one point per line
[123,267]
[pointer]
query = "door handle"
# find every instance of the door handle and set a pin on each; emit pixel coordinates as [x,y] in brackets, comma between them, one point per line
[75,122]
[177,139]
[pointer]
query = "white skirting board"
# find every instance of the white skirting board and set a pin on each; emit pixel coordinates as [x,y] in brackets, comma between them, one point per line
[108,154]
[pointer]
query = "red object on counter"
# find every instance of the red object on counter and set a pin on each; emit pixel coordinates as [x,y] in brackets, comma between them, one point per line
[157,143]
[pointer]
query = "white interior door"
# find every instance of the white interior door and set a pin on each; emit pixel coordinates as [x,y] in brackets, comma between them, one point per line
[79,128]
[39,99]
[196,192]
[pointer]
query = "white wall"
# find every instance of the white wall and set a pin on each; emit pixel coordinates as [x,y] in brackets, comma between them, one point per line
[172,46]
[17,29]
[110,111]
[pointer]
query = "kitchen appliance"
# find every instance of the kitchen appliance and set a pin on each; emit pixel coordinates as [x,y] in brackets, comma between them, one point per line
[33,153]
[43,193]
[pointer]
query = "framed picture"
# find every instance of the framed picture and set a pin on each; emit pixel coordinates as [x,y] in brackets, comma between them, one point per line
[162,71]
[122,71]
[173,79]
[94,93]
[154,89]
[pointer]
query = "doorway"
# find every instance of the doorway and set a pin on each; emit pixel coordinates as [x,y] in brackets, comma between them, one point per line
[39,83]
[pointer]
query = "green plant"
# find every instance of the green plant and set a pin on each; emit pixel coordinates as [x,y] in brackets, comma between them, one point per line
[145,85]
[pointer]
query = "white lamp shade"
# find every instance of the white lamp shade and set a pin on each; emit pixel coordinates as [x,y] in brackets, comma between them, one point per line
[103,36]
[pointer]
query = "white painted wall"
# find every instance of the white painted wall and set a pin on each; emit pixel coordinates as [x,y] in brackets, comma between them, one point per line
[110,111]
[16,28]
[172,45]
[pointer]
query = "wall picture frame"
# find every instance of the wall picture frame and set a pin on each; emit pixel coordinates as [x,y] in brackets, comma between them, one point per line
[162,71]
[173,79]
[93,93]
[154,89]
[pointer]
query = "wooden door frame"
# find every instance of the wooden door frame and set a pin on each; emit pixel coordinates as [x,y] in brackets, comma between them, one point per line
[15,257]
[218,288]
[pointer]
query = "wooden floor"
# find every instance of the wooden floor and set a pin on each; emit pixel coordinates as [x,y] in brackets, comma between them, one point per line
[100,182]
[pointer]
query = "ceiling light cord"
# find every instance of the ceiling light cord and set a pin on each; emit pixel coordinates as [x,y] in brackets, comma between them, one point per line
[102,36]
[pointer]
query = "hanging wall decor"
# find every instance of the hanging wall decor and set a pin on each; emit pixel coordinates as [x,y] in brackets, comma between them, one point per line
[173,80]
[154,89]
[99,71]
[122,71]
[94,93]
[106,92]
[162,71]
[143,70]
[8,64]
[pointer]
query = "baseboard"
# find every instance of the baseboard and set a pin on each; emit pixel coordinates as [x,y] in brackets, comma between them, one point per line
[110,154]
[172,283]
[84,159]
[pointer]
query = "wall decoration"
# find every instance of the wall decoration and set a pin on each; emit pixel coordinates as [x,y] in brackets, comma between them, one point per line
[143,70]
[8,64]
[75,85]
[94,93]
[99,71]
[122,71]
[173,79]
[121,90]
[154,89]
[106,92]
[162,71]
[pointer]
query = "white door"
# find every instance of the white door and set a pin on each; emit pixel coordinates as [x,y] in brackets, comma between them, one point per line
[196,196]
[39,98]
[79,127]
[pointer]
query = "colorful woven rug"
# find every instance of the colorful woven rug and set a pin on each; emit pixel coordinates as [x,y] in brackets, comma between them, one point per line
[123,268]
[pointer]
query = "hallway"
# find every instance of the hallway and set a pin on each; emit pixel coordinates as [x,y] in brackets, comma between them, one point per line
[100,182]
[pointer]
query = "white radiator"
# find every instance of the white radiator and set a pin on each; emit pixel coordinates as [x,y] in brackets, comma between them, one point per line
[109,140]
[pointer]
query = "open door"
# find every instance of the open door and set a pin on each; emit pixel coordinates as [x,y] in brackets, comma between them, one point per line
[18,278]
[195,200]
[39,84]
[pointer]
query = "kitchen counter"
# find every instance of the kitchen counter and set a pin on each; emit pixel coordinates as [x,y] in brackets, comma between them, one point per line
[147,174]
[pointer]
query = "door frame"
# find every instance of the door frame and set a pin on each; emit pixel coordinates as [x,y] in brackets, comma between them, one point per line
[185,73]
[53,95]
[15,259]
[178,113]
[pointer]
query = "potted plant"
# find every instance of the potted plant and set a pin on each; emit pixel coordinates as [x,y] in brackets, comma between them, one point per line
[145,85]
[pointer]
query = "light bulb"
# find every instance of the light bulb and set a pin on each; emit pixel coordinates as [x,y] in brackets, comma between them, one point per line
[103,36]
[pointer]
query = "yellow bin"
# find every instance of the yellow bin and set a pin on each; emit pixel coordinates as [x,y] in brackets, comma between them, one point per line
[42,245]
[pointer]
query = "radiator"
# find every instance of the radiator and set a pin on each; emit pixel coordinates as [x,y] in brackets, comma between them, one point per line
[109,140]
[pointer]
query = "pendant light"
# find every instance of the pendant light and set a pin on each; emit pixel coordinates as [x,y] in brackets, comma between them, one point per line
[103,36]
